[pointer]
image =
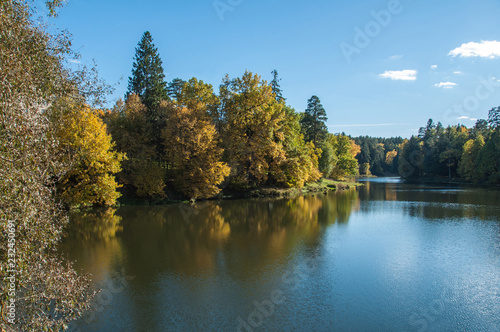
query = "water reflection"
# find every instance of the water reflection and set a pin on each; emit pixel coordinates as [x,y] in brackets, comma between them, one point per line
[383,252]
[243,239]
[434,201]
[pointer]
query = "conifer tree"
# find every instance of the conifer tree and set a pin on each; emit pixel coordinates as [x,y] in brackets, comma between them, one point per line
[275,85]
[147,80]
[313,122]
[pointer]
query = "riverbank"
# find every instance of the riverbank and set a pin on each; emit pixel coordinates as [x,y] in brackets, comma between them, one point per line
[321,186]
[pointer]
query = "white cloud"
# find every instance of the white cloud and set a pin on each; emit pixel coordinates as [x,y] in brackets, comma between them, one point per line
[434,66]
[458,72]
[466,118]
[74,61]
[401,75]
[446,85]
[396,57]
[484,49]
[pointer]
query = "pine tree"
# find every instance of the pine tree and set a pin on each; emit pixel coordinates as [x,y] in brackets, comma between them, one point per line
[494,117]
[276,87]
[147,80]
[313,122]
[174,88]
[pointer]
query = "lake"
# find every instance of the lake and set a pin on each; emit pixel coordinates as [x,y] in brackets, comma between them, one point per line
[388,256]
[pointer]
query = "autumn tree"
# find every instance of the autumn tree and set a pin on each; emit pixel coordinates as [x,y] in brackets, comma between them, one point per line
[301,164]
[390,160]
[47,291]
[345,151]
[468,168]
[198,96]
[191,140]
[253,137]
[82,134]
[313,122]
[133,134]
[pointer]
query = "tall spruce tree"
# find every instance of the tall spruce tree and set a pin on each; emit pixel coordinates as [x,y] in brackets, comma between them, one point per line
[147,80]
[313,122]
[275,85]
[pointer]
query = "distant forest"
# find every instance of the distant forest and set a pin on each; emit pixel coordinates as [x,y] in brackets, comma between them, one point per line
[455,152]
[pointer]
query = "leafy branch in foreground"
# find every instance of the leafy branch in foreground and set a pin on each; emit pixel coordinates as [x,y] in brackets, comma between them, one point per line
[47,293]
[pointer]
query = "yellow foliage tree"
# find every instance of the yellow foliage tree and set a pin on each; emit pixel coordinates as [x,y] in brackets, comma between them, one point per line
[132,132]
[253,135]
[94,162]
[191,142]
[301,163]
[391,155]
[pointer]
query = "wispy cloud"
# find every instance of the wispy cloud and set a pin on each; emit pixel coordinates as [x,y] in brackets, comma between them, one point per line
[74,61]
[368,125]
[458,72]
[446,85]
[396,57]
[434,66]
[484,49]
[400,75]
[466,118]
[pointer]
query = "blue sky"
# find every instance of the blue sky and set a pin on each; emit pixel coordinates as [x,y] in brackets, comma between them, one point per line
[412,60]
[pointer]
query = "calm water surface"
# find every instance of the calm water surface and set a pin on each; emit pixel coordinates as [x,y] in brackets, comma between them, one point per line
[388,256]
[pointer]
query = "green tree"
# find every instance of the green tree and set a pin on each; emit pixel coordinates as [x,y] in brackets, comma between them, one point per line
[494,117]
[313,122]
[174,88]
[452,145]
[488,160]
[345,151]
[468,168]
[148,80]
[301,163]
[412,158]
[481,128]
[275,85]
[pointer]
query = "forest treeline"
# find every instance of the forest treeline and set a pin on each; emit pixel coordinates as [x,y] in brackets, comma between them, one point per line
[455,152]
[183,139]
